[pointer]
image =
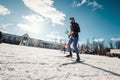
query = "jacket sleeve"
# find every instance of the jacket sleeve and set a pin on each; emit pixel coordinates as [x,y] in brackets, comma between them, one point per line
[78,28]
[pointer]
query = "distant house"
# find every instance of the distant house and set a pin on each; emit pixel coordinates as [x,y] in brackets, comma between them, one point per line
[10,38]
[25,40]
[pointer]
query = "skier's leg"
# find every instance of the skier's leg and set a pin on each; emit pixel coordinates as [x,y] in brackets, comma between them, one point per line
[75,41]
[64,49]
[69,44]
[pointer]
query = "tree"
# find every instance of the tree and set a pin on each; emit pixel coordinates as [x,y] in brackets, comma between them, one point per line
[56,40]
[60,40]
[111,44]
[67,31]
[117,44]
[98,46]
[87,46]
[1,29]
[101,46]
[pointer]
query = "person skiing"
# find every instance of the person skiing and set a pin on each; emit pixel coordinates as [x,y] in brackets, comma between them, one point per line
[73,38]
[64,47]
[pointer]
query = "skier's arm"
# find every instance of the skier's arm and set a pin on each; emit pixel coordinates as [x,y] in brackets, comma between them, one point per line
[77,29]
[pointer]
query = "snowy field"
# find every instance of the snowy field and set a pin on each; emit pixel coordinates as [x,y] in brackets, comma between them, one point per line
[29,63]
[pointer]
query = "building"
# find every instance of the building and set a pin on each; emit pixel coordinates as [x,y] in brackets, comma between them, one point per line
[10,38]
[25,40]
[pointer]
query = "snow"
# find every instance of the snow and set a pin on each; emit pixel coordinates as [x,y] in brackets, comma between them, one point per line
[30,63]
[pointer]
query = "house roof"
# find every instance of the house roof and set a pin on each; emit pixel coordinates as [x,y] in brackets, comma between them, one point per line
[26,35]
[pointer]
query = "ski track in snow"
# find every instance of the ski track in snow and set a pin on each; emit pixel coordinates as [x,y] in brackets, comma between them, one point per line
[30,63]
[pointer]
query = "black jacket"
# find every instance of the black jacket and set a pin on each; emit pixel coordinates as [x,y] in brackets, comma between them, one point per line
[75,28]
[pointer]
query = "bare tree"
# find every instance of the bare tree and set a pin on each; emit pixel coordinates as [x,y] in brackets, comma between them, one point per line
[56,40]
[67,31]
[98,47]
[60,40]
[87,46]
[1,29]
[111,44]
[117,44]
[101,48]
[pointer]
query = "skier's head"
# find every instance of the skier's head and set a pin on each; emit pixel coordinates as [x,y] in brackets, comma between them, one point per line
[71,19]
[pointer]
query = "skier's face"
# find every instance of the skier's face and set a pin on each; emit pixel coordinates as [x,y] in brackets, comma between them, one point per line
[71,21]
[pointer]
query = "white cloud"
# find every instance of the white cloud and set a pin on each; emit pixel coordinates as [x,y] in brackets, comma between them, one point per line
[4,10]
[5,25]
[95,5]
[98,39]
[34,23]
[83,1]
[78,4]
[115,39]
[46,9]
[34,18]
[92,4]
[54,35]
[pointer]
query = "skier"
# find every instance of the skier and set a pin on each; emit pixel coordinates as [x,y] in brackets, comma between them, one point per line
[73,38]
[64,47]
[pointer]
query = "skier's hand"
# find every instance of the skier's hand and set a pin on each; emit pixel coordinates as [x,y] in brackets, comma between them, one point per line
[72,32]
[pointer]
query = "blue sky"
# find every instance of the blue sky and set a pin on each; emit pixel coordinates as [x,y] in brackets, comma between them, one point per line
[48,19]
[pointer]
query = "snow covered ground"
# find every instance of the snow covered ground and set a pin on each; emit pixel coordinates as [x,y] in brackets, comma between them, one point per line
[29,63]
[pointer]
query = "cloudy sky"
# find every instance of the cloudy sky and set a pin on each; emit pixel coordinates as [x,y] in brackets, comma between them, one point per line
[48,19]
